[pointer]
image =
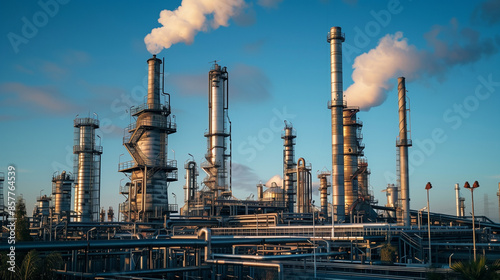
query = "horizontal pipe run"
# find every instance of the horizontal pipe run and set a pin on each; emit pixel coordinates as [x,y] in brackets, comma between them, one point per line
[247,263]
[132,272]
[277,257]
[140,243]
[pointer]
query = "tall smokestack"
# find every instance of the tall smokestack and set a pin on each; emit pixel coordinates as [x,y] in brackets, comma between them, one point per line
[336,104]
[153,82]
[403,143]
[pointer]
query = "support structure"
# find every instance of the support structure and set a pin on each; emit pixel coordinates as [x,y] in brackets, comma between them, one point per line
[336,104]
[147,142]
[403,142]
[87,170]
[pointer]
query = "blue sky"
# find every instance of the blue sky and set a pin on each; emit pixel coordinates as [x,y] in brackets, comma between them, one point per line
[64,58]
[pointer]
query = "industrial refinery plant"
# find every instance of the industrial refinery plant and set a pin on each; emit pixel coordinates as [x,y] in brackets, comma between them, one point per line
[282,233]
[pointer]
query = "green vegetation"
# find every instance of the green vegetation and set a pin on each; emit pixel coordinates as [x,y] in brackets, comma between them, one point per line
[477,270]
[32,266]
[388,253]
[22,223]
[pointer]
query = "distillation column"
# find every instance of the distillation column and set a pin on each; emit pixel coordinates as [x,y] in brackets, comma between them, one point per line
[147,142]
[191,186]
[289,166]
[218,132]
[304,187]
[336,104]
[61,194]
[352,151]
[457,199]
[87,170]
[403,142]
[363,179]
[323,191]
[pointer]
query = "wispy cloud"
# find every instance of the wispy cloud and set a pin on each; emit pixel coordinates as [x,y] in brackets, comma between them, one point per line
[42,99]
[394,57]
[254,47]
[488,11]
[22,69]
[73,57]
[244,178]
[269,3]
[53,70]
[189,84]
[247,84]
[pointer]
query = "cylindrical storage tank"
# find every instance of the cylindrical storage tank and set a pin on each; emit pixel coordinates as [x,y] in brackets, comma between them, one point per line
[61,193]
[273,193]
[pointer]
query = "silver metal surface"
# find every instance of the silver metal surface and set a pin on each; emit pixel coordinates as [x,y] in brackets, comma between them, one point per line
[61,193]
[147,142]
[304,187]
[403,143]
[336,104]
[216,165]
[392,198]
[323,190]
[352,135]
[457,199]
[289,166]
[191,187]
[87,170]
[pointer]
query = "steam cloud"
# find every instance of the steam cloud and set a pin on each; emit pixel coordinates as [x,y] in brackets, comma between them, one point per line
[394,57]
[191,17]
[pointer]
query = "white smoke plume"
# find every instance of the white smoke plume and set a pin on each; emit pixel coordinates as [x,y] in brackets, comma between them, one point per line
[275,179]
[188,19]
[375,72]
